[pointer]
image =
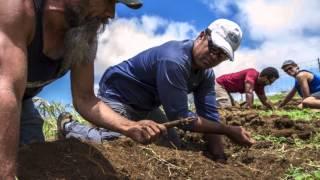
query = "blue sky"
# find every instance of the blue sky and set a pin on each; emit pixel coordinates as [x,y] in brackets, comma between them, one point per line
[273,31]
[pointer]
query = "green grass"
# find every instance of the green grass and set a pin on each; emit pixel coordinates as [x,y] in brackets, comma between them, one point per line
[273,139]
[277,97]
[309,171]
[294,114]
[273,98]
[299,173]
[313,142]
[296,173]
[50,113]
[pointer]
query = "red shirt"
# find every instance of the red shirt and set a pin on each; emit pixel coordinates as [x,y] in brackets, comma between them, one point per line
[235,82]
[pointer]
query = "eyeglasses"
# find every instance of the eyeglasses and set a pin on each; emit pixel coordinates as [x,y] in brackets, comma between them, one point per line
[214,49]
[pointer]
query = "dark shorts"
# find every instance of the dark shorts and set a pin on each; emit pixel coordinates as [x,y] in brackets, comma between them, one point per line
[31,123]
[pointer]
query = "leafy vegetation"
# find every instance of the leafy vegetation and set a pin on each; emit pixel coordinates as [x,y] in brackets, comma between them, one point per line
[273,139]
[314,141]
[294,114]
[299,173]
[50,113]
[277,97]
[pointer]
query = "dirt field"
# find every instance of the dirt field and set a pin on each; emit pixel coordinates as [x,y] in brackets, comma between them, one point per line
[125,159]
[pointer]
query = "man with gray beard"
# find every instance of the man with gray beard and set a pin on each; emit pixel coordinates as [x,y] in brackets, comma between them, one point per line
[40,41]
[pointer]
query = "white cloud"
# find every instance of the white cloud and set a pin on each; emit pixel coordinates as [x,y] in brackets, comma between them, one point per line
[287,29]
[280,27]
[286,21]
[124,38]
[222,6]
[244,58]
[270,19]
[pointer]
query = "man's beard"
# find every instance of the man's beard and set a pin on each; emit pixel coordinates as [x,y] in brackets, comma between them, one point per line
[80,41]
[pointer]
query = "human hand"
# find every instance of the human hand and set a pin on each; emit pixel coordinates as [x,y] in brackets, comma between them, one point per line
[271,106]
[280,104]
[246,106]
[243,104]
[240,136]
[145,131]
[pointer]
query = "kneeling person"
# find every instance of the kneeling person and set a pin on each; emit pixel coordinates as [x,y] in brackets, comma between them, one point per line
[166,74]
[307,84]
[246,81]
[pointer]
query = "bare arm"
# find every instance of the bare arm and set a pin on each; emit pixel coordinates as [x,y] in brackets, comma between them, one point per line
[264,100]
[13,73]
[97,112]
[303,82]
[235,133]
[288,97]
[88,105]
[249,94]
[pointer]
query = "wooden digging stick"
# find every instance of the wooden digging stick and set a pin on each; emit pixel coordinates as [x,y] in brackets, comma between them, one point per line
[175,123]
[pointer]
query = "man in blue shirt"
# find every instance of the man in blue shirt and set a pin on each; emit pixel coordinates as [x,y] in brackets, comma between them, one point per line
[166,74]
[307,84]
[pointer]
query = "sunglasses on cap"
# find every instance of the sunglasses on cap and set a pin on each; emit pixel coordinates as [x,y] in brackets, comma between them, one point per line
[214,49]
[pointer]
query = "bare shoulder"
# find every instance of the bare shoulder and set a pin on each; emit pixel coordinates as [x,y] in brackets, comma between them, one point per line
[17,19]
[304,75]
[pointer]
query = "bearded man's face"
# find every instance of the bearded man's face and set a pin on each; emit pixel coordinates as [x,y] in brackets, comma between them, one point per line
[81,39]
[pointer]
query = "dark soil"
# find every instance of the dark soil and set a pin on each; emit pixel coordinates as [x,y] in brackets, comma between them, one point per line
[125,159]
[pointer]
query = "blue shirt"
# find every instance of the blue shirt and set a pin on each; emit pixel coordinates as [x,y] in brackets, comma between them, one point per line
[162,75]
[314,85]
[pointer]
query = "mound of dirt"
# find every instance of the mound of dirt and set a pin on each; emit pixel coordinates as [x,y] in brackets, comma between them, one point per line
[278,126]
[125,159]
[69,159]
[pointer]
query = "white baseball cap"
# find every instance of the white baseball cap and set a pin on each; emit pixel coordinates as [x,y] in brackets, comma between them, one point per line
[226,35]
[134,4]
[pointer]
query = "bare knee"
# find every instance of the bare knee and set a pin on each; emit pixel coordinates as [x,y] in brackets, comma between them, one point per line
[310,102]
